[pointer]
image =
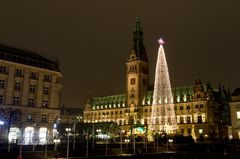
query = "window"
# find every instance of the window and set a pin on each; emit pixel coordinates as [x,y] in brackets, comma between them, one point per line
[181,107]
[31,102]
[120,112]
[33,75]
[47,78]
[3,69]
[181,120]
[182,131]
[196,106]
[201,105]
[1,99]
[238,114]
[199,119]
[29,117]
[111,113]
[45,104]
[189,130]
[107,113]
[200,131]
[188,107]
[145,110]
[2,83]
[16,100]
[17,86]
[198,96]
[116,112]
[18,73]
[45,90]
[188,119]
[44,118]
[32,88]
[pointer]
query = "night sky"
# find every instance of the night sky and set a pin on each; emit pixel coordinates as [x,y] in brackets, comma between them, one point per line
[93,38]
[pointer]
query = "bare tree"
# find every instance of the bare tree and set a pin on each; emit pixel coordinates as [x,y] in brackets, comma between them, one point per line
[11,116]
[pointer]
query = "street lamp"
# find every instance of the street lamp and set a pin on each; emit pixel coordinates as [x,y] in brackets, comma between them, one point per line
[109,139]
[1,123]
[56,142]
[68,131]
[170,141]
[121,135]
[98,130]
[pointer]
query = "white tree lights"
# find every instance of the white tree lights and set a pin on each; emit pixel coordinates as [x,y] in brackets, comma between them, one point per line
[163,114]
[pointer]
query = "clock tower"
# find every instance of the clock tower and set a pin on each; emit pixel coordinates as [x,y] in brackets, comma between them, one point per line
[137,75]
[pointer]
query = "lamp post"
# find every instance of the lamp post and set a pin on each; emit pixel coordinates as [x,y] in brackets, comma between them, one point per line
[98,131]
[56,142]
[68,131]
[1,123]
[158,132]
[74,134]
[170,142]
[109,139]
[121,135]
[93,135]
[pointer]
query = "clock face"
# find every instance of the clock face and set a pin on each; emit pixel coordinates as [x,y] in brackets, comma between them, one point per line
[132,81]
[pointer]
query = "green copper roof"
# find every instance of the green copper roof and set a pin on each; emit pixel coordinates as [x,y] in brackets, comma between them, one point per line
[106,102]
[180,94]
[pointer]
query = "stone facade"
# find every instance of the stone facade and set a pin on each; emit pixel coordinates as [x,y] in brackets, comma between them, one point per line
[31,85]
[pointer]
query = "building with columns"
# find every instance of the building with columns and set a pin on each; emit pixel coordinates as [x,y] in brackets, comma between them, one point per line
[30,93]
[201,111]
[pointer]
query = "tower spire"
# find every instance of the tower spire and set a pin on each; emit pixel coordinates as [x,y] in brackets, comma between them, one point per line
[138,47]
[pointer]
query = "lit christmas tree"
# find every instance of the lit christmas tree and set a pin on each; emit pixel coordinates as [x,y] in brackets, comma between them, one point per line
[163,114]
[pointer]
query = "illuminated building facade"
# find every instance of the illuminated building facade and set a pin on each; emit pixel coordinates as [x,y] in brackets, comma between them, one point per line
[30,92]
[199,111]
[235,113]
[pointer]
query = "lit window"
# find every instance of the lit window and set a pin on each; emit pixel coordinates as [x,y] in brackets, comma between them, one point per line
[200,131]
[28,135]
[29,117]
[42,135]
[238,115]
[14,134]
[45,104]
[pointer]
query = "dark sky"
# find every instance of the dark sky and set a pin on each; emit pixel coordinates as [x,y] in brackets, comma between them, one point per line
[93,38]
